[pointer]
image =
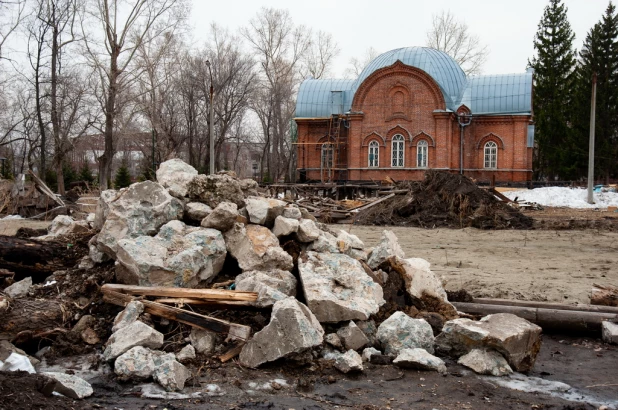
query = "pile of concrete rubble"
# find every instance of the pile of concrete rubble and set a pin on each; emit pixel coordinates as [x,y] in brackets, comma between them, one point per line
[332,299]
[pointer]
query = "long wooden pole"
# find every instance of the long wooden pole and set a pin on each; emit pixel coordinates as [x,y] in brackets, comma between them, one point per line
[593,103]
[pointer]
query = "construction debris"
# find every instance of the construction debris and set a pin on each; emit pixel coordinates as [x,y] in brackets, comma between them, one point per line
[195,268]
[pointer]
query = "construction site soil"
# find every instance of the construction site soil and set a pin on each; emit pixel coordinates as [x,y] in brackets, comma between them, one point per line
[585,364]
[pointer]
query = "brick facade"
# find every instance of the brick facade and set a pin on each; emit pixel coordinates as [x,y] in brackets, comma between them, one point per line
[401,100]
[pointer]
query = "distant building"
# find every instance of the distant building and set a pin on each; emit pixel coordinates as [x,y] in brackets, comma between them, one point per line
[412,109]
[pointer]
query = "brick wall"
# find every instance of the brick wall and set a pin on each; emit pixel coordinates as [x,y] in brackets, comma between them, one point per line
[402,100]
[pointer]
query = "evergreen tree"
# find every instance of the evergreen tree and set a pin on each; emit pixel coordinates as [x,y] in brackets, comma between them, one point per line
[554,66]
[85,174]
[123,178]
[69,174]
[599,56]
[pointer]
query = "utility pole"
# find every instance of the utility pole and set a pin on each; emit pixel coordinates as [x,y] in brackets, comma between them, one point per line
[591,146]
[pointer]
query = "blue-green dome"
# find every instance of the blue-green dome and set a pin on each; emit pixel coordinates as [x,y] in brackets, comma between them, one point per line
[440,66]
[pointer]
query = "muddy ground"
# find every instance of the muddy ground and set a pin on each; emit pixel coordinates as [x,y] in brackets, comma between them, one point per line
[586,365]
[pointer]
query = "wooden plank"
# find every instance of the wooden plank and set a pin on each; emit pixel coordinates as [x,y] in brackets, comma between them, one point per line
[231,353]
[45,189]
[183,316]
[374,203]
[207,294]
[188,301]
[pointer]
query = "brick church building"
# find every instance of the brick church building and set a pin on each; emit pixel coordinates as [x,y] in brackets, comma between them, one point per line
[413,109]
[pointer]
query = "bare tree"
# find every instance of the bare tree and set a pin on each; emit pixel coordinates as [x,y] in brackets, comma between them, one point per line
[279,46]
[357,64]
[11,14]
[318,59]
[124,25]
[454,38]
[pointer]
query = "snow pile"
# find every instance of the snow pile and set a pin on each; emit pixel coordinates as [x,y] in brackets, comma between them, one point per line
[565,197]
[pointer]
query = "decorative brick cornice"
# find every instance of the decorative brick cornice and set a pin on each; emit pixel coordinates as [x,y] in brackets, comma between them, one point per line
[396,68]
[490,137]
[374,136]
[422,136]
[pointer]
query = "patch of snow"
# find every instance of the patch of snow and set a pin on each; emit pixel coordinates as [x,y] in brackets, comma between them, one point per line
[528,384]
[564,197]
[49,283]
[154,391]
[9,217]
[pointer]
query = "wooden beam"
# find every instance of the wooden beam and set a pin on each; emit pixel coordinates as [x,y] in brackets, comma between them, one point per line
[206,294]
[183,316]
[187,301]
[231,353]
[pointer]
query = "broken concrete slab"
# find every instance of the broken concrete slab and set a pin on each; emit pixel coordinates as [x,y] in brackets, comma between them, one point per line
[486,362]
[94,253]
[70,386]
[170,374]
[271,286]
[352,337]
[368,352]
[222,218]
[214,189]
[348,241]
[326,242]
[292,212]
[203,341]
[255,247]
[333,340]
[400,331]
[19,289]
[139,210]
[175,175]
[387,247]
[610,332]
[128,315]
[264,211]
[518,340]
[135,363]
[135,334]
[418,358]
[337,288]
[249,187]
[423,286]
[100,215]
[178,256]
[186,353]
[65,225]
[285,226]
[196,211]
[308,231]
[349,361]
[293,329]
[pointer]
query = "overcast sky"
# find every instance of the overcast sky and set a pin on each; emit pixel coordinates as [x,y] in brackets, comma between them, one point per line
[506,26]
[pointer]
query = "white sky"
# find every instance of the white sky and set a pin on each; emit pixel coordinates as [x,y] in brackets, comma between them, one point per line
[506,26]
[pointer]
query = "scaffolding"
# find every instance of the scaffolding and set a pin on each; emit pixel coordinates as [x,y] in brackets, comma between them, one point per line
[333,155]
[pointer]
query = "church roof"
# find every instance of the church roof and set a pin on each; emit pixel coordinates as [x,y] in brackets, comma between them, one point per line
[486,94]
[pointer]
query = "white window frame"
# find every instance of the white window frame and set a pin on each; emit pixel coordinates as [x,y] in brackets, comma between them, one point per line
[398,147]
[490,155]
[422,149]
[373,158]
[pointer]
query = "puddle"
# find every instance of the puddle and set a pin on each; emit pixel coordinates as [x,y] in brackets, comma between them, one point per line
[518,381]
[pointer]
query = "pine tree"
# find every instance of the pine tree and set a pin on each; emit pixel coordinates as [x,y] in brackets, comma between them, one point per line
[554,66]
[599,56]
[85,174]
[123,178]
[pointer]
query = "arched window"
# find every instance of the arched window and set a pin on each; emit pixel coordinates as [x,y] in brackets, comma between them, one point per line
[421,154]
[397,151]
[491,155]
[327,155]
[374,154]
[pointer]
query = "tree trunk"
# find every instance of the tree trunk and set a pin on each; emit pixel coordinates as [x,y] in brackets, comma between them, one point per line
[604,295]
[38,259]
[35,316]
[105,160]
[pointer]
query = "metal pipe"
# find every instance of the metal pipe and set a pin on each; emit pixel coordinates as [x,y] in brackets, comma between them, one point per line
[591,143]
[464,120]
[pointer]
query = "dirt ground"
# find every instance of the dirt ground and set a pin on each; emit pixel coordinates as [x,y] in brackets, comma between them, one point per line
[540,265]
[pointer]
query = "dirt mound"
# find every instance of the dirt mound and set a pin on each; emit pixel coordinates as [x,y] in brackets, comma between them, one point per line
[443,199]
[20,390]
